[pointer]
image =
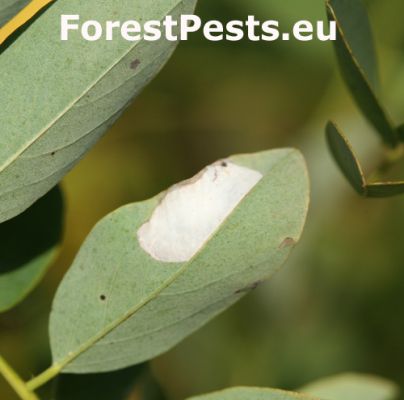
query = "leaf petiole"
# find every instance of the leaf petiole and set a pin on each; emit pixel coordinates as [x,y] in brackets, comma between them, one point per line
[44,377]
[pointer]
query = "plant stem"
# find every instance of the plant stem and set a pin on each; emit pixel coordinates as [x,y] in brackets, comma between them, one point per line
[16,382]
[44,377]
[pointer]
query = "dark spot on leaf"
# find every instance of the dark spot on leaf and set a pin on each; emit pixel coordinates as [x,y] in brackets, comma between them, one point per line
[53,153]
[224,164]
[103,297]
[248,288]
[288,242]
[134,64]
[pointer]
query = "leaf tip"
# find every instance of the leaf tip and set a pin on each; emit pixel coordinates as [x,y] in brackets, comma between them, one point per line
[345,158]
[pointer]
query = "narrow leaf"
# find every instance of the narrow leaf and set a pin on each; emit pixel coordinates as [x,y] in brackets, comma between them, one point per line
[151,273]
[345,158]
[353,22]
[384,189]
[29,244]
[244,393]
[80,88]
[357,60]
[9,8]
[353,387]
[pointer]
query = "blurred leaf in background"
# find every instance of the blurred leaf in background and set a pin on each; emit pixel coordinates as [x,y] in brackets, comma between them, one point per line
[352,387]
[29,245]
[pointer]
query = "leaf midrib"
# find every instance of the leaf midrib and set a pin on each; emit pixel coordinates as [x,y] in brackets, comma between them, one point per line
[179,321]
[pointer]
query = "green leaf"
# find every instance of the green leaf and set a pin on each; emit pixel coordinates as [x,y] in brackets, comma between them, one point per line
[345,158]
[119,305]
[29,244]
[353,387]
[356,56]
[384,189]
[244,393]
[80,88]
[342,387]
[354,24]
[115,385]
[10,8]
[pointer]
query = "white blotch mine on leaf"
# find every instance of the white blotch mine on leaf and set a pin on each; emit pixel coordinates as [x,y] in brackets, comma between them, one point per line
[193,210]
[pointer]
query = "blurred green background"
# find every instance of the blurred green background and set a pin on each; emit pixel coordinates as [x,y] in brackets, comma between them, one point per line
[337,304]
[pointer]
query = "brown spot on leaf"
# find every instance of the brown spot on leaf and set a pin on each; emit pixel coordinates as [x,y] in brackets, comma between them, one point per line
[134,64]
[288,242]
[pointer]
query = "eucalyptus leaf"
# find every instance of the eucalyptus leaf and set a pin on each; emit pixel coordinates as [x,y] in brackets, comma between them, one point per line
[344,156]
[357,59]
[353,387]
[354,24]
[244,393]
[29,244]
[59,97]
[384,189]
[118,305]
[10,8]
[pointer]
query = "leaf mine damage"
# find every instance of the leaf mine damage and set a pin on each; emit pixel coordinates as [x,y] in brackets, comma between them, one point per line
[193,210]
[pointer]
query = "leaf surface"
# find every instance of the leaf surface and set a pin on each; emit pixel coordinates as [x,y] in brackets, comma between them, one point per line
[29,244]
[345,158]
[353,387]
[58,98]
[342,387]
[348,163]
[385,189]
[251,393]
[353,21]
[357,59]
[118,306]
